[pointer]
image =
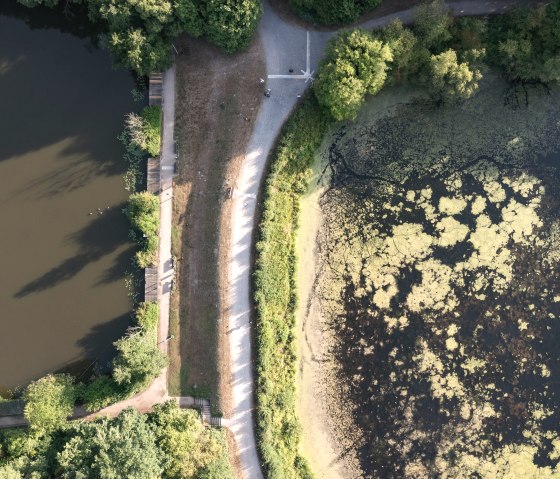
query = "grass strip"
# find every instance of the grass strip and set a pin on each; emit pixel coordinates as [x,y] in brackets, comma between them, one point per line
[278,429]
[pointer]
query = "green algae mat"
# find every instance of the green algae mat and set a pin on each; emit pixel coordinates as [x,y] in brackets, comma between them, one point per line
[439,280]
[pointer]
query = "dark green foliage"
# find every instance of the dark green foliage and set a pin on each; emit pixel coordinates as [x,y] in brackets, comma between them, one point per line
[526,43]
[100,393]
[111,449]
[355,65]
[49,401]
[35,3]
[230,24]
[432,24]
[331,12]
[277,426]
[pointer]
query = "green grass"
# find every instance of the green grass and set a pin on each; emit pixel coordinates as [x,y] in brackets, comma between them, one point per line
[278,429]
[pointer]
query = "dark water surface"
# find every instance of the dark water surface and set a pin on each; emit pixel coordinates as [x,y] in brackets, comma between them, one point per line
[62,294]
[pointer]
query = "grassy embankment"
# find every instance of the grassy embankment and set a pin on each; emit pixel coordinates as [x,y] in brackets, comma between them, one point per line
[278,429]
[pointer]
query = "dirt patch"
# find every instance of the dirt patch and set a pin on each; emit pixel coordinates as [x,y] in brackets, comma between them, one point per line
[218,98]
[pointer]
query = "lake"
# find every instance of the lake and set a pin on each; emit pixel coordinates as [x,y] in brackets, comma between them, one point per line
[64,240]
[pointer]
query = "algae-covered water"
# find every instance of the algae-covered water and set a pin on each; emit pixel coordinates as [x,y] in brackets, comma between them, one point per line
[440,281]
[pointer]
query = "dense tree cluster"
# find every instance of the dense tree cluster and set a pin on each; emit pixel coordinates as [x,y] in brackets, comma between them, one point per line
[168,442]
[446,56]
[332,12]
[139,32]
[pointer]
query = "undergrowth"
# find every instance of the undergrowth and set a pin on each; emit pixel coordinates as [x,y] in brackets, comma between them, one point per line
[278,429]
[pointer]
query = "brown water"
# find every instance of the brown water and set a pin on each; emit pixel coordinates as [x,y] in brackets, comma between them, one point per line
[63,298]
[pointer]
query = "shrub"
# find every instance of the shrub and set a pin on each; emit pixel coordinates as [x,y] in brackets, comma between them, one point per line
[143,213]
[275,295]
[147,316]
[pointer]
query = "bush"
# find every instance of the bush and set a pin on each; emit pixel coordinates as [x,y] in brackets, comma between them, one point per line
[100,393]
[232,23]
[143,213]
[49,402]
[147,316]
[330,12]
[275,296]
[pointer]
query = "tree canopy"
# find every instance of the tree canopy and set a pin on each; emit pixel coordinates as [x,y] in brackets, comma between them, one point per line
[49,401]
[112,449]
[451,79]
[355,64]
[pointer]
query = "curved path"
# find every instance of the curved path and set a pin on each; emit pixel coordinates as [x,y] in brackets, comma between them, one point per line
[286,47]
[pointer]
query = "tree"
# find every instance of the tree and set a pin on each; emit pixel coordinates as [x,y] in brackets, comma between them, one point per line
[230,24]
[49,401]
[355,64]
[124,447]
[190,449]
[330,12]
[452,80]
[432,23]
[402,43]
[139,360]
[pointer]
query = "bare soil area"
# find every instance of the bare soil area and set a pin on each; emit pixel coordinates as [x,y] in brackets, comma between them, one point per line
[218,98]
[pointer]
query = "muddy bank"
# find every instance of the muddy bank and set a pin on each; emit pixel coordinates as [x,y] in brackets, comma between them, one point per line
[439,289]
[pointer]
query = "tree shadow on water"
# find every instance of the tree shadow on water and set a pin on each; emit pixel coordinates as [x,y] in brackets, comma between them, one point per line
[105,234]
[98,346]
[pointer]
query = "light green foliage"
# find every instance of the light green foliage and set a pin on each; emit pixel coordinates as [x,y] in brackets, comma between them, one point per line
[330,12]
[355,64]
[147,316]
[231,23]
[451,79]
[138,362]
[143,213]
[151,116]
[49,401]
[432,22]
[124,447]
[277,426]
[10,472]
[142,134]
[190,449]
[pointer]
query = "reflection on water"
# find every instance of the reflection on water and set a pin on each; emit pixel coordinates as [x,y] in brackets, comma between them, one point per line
[64,239]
